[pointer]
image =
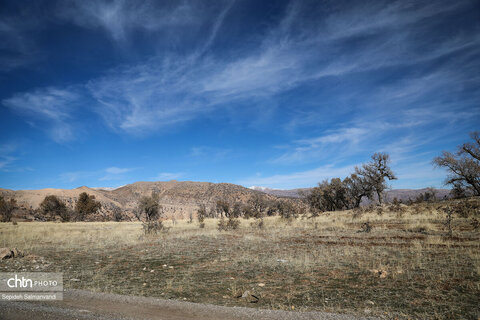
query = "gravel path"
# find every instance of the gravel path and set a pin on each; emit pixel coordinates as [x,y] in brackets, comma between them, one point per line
[79,304]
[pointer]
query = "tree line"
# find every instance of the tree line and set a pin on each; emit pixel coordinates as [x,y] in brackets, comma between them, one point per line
[367,181]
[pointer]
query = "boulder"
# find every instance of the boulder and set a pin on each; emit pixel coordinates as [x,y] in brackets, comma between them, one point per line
[6,253]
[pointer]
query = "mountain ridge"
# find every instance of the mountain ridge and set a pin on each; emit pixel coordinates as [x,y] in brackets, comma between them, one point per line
[179,199]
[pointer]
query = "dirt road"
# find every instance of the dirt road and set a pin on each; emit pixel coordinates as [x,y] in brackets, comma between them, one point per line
[78,304]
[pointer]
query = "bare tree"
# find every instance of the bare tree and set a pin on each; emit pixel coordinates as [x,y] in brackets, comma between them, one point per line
[150,207]
[463,166]
[357,188]
[223,208]
[236,210]
[375,172]
[258,205]
[152,210]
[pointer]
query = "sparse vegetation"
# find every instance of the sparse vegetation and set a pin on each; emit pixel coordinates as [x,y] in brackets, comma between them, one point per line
[347,194]
[403,268]
[396,260]
[117,214]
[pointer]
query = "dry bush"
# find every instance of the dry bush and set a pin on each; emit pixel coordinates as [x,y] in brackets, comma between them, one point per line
[230,224]
[117,214]
[369,208]
[448,221]
[380,211]
[201,215]
[366,227]
[222,224]
[152,227]
[6,209]
[258,224]
[475,223]
[358,212]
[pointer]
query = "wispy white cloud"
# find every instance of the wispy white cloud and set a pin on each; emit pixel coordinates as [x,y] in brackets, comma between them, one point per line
[172,89]
[18,48]
[115,170]
[107,174]
[6,156]
[308,178]
[114,173]
[164,176]
[121,18]
[325,146]
[212,153]
[49,105]
[73,176]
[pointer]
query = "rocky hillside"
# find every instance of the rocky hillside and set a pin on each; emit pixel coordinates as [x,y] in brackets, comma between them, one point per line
[178,199]
[289,193]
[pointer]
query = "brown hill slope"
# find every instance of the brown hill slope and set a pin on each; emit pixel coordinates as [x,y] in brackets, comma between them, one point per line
[178,199]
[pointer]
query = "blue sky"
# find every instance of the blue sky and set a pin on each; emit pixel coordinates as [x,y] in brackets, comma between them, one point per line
[268,93]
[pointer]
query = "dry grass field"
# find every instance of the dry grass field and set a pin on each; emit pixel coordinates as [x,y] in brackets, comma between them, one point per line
[407,266]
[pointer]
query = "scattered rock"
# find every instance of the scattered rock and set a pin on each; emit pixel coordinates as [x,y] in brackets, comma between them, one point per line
[381,273]
[245,294]
[282,260]
[249,297]
[6,253]
[75,280]
[261,284]
[152,270]
[370,302]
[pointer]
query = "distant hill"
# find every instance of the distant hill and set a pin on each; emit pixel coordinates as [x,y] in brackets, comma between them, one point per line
[289,193]
[400,194]
[178,199]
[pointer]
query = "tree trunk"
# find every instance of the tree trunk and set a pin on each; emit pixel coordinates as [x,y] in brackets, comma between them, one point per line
[379,194]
